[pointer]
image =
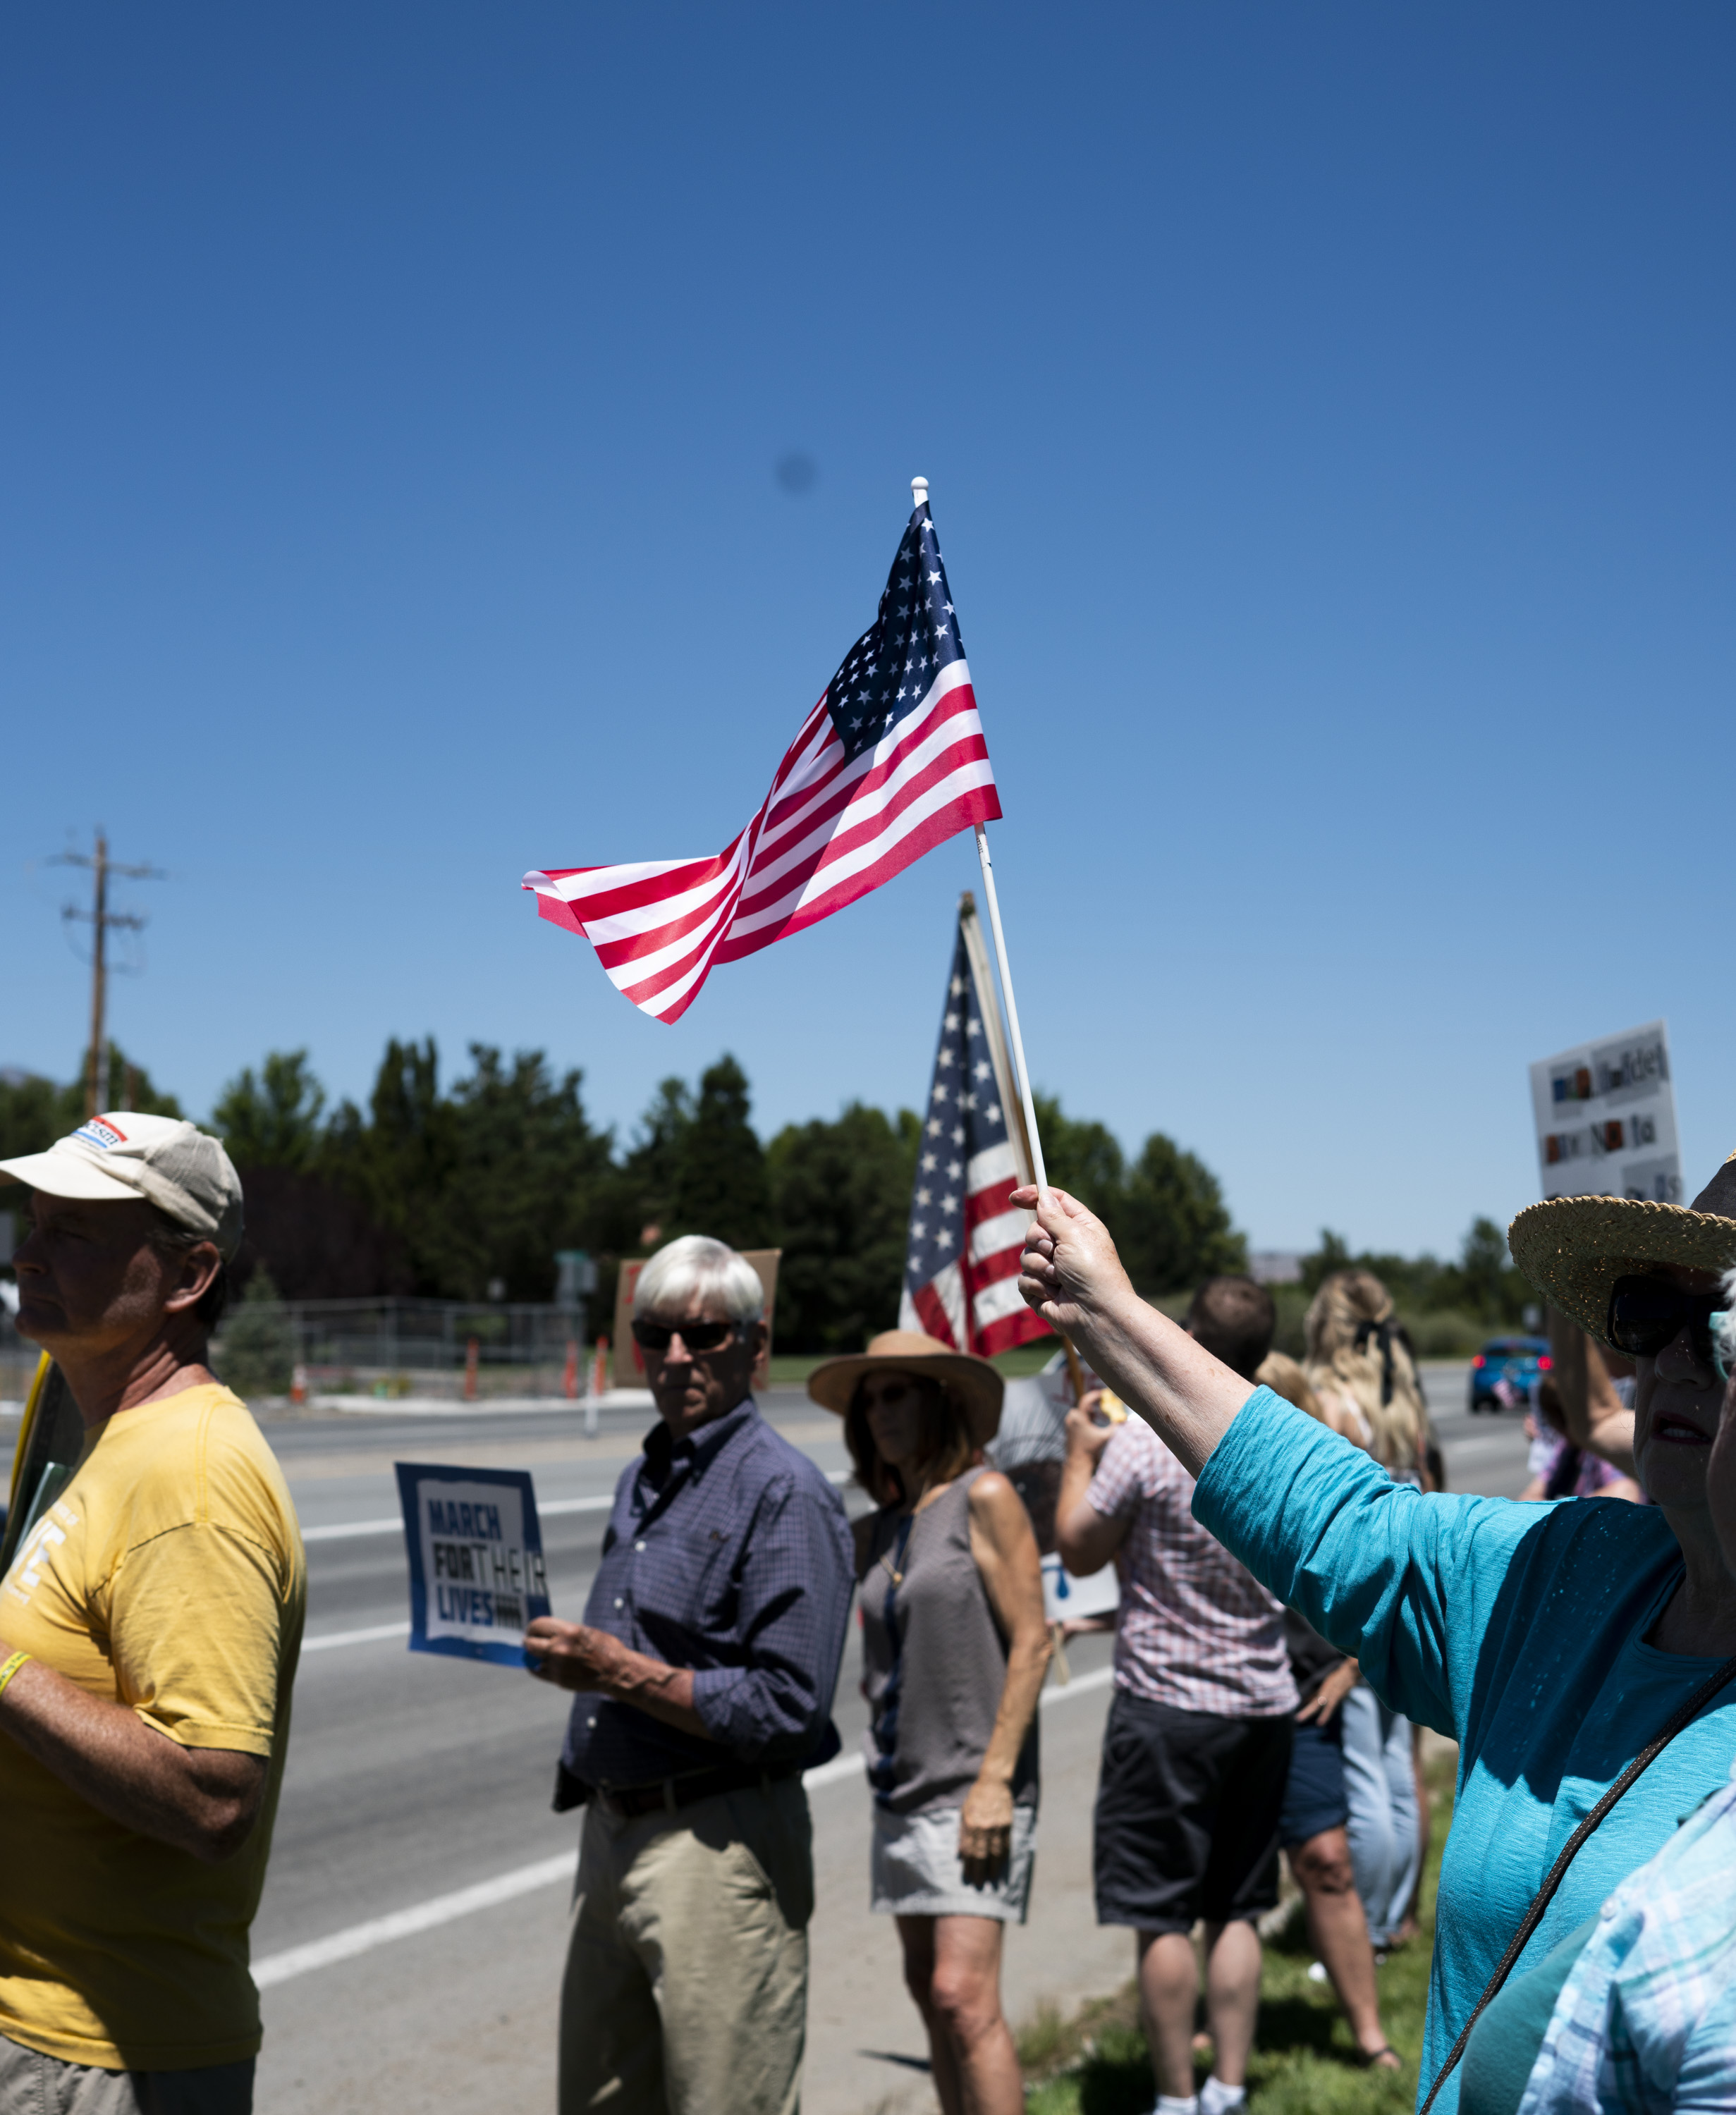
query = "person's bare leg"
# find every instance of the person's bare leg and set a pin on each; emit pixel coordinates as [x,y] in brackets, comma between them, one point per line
[1169,1990]
[965,1993]
[1339,1931]
[916,1936]
[1232,1997]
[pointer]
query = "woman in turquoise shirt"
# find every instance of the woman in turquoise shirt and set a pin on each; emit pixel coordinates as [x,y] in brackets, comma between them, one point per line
[1552,1643]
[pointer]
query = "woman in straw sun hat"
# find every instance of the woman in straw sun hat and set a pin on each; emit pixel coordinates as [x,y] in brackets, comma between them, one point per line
[1637,2007]
[1619,1264]
[954,1646]
[1555,1643]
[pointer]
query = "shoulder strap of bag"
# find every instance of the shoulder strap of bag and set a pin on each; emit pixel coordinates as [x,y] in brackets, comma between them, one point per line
[1684,1715]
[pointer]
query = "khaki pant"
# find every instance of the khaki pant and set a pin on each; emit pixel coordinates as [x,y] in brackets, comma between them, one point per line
[686,1984]
[31,2084]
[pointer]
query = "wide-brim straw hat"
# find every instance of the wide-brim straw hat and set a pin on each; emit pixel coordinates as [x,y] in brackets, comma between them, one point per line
[978,1387]
[1573,1248]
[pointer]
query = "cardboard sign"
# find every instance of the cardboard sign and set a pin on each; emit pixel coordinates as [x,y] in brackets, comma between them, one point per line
[476,1573]
[629,1360]
[1606,1119]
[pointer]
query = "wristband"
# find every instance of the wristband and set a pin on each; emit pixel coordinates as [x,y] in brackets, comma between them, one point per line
[12,1666]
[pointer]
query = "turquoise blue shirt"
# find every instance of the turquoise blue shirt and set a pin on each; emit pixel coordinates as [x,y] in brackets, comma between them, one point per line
[1518,1631]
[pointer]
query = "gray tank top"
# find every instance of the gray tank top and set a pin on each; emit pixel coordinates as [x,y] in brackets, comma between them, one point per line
[934,1659]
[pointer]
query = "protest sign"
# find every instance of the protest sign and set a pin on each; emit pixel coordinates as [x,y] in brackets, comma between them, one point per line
[1606,1119]
[476,1573]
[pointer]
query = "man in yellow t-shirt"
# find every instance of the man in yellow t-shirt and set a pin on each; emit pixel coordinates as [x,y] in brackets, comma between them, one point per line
[150,1626]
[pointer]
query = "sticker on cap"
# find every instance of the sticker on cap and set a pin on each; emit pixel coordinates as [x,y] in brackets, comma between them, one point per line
[99,1131]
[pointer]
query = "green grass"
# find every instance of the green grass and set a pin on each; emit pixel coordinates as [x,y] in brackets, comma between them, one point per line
[1304,2060]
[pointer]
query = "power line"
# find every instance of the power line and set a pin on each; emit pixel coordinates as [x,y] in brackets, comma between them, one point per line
[102,920]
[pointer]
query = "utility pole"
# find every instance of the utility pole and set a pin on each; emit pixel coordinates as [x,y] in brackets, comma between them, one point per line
[101,919]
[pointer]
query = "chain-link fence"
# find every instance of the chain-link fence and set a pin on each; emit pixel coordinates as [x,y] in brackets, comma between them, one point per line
[449,1348]
[398,1347]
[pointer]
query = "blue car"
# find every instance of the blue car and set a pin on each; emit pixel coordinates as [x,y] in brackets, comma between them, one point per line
[1517,1360]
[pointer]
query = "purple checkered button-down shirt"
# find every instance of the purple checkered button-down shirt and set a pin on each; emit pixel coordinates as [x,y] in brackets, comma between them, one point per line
[1198,1631]
[729,1552]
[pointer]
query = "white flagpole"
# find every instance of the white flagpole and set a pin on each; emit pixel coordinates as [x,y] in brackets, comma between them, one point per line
[1012,1011]
[919,495]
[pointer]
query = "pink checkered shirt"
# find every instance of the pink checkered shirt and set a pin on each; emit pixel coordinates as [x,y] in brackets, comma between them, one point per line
[1198,1631]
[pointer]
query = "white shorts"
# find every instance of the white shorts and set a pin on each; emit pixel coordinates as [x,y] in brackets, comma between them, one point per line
[916,1870]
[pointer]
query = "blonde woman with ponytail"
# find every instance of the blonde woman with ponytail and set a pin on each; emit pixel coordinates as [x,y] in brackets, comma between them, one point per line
[1361,1369]
[1361,1363]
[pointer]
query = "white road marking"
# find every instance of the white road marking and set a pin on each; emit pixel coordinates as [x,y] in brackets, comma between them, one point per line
[371,1635]
[835,1771]
[525,1879]
[1081,1685]
[344,1530]
[403,1924]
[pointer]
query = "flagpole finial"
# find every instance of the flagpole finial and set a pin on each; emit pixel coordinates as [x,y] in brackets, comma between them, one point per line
[918,491]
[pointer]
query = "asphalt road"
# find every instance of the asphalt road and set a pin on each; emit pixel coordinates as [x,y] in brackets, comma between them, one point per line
[410,1935]
[410,1775]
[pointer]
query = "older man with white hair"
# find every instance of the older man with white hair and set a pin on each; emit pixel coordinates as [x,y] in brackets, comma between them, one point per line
[149,1626]
[705,1667]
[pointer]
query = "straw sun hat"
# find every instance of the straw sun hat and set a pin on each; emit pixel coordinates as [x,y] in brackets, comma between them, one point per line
[977,1385]
[1573,1248]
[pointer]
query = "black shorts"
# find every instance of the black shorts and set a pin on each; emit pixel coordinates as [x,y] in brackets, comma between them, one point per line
[1186,1822]
[1313,1793]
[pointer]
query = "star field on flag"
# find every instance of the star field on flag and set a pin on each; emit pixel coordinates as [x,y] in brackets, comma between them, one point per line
[961,1260]
[890,763]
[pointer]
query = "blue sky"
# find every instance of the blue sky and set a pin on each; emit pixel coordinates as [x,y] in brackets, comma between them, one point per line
[1328,416]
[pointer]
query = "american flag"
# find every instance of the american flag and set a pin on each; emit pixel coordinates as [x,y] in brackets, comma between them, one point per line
[889,763]
[961,1274]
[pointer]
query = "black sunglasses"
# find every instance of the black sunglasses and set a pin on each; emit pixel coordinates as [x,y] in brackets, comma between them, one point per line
[1646,1315]
[696,1335]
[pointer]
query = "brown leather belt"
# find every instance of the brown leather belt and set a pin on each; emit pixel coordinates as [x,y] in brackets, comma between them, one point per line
[669,1794]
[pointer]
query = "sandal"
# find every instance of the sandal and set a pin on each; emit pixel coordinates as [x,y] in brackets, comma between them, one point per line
[1369,2059]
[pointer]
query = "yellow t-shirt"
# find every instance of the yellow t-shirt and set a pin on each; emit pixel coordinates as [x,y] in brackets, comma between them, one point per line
[168,1576]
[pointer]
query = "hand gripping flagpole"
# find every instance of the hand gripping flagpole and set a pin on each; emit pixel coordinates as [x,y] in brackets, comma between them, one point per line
[919,494]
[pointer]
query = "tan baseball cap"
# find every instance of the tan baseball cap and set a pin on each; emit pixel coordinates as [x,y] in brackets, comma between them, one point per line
[169,1163]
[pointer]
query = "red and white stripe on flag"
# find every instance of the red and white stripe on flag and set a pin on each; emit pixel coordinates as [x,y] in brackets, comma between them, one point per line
[961,1271]
[833,827]
[998,1317]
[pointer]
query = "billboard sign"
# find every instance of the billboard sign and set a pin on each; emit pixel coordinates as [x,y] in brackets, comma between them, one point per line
[1606,1119]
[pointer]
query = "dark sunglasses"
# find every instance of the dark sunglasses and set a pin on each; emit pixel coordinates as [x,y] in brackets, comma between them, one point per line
[1646,1315]
[696,1335]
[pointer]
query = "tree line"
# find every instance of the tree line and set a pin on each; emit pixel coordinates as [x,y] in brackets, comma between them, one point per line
[465,1190]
